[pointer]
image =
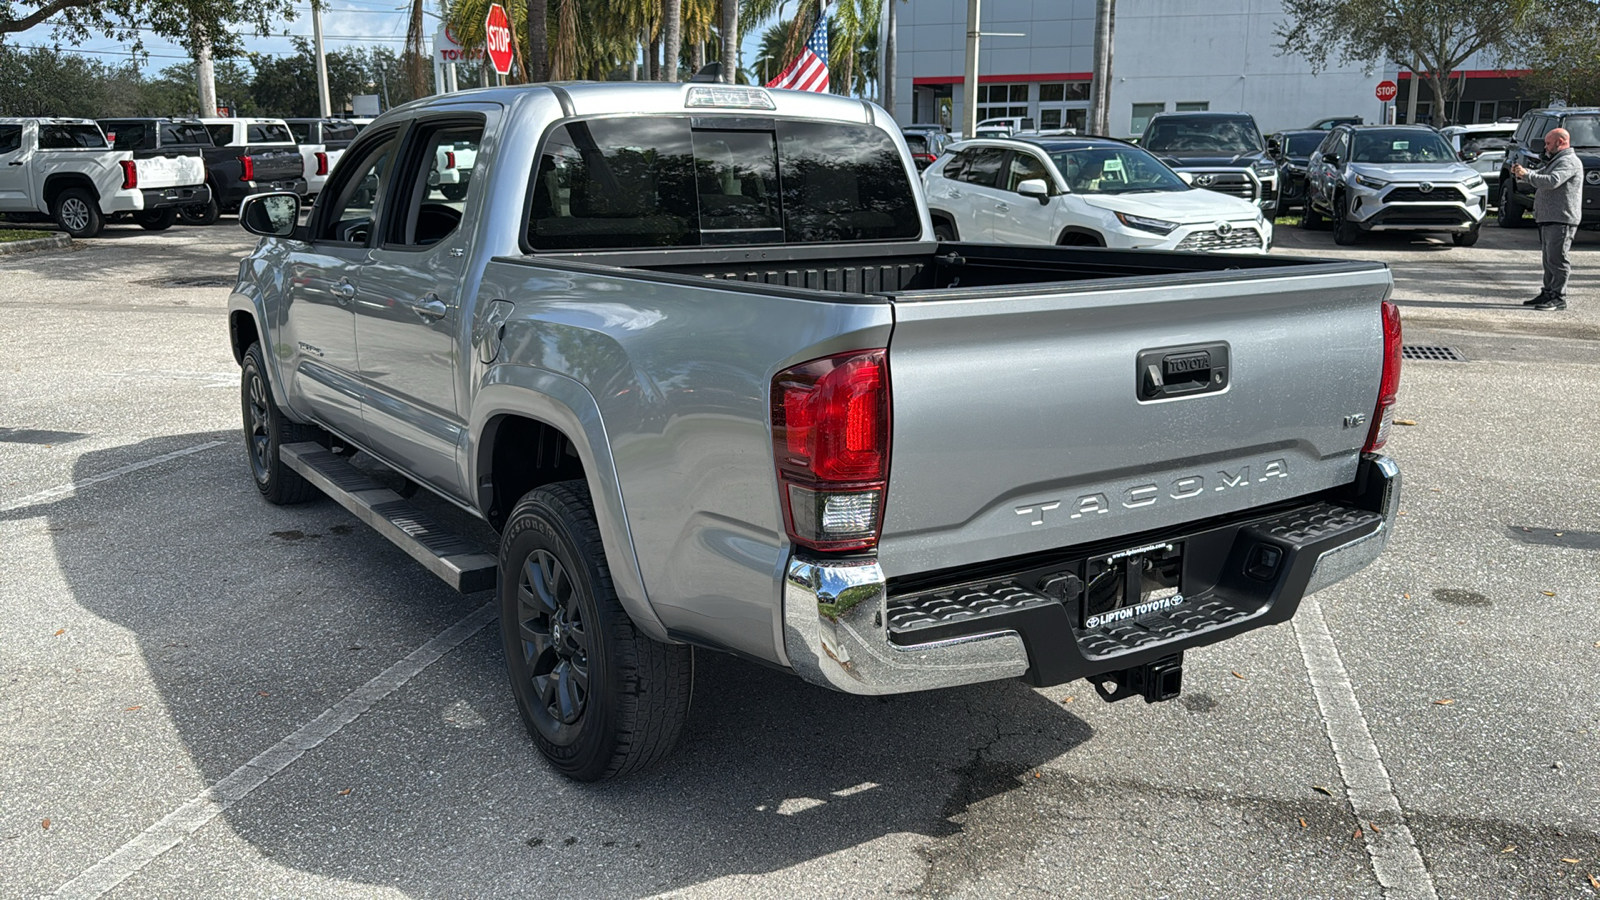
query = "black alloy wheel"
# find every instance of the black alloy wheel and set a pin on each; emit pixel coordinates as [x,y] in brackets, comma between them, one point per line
[265,430]
[1310,219]
[1511,213]
[1345,232]
[206,213]
[598,697]
[555,645]
[156,219]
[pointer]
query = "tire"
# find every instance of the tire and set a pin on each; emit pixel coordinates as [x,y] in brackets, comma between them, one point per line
[1310,219]
[156,219]
[265,430]
[77,212]
[1511,214]
[943,232]
[206,213]
[599,698]
[1466,238]
[453,191]
[1345,232]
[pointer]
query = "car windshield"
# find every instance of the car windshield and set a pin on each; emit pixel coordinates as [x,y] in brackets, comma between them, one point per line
[917,143]
[1413,146]
[1207,135]
[1302,144]
[1115,170]
[1585,130]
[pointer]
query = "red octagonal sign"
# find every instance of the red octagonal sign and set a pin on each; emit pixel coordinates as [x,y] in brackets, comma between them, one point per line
[497,34]
[1387,90]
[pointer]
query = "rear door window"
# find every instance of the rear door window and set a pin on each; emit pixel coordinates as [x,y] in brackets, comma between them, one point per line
[983,166]
[673,182]
[54,136]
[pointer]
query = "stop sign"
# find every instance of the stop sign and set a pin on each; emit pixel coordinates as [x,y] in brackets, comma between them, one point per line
[497,34]
[1387,90]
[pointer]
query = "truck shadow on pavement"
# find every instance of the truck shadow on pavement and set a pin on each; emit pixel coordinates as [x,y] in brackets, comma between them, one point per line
[251,620]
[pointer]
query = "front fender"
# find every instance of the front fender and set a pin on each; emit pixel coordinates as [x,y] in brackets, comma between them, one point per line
[564,404]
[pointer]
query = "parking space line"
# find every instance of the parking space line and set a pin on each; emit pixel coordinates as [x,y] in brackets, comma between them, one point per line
[200,809]
[64,489]
[1395,858]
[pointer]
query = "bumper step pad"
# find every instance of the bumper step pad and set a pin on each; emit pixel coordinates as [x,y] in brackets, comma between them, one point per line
[462,564]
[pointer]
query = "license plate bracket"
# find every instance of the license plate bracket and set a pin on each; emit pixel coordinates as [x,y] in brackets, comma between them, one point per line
[1131,584]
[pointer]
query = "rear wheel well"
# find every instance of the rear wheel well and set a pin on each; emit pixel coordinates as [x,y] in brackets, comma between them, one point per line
[56,185]
[516,455]
[242,333]
[945,219]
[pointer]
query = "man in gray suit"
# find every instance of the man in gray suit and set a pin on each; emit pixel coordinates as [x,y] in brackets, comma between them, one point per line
[1557,208]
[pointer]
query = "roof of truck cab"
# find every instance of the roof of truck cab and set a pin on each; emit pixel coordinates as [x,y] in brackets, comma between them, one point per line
[619,97]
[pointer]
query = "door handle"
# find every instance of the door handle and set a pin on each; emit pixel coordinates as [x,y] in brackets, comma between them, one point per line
[430,308]
[1001,207]
[954,193]
[15,162]
[344,291]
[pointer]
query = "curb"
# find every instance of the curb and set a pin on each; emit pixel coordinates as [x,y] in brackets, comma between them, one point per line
[60,241]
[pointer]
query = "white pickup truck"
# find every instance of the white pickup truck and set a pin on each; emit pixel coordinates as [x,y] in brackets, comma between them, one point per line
[65,168]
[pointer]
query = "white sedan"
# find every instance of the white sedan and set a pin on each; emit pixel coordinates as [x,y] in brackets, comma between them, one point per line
[1085,191]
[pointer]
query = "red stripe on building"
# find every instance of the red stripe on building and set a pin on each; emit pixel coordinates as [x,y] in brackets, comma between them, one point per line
[1005,79]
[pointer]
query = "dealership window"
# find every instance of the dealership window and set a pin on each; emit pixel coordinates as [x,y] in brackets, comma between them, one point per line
[1059,92]
[1194,106]
[1142,112]
[1002,101]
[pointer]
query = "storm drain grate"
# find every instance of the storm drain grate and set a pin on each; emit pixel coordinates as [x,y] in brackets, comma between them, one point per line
[1437,354]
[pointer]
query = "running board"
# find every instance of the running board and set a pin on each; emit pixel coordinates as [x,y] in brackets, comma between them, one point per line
[462,564]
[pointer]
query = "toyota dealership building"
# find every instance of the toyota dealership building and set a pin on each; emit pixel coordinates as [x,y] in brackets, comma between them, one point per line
[1168,56]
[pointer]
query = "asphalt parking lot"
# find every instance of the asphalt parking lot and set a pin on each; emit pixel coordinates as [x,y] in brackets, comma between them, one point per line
[205,696]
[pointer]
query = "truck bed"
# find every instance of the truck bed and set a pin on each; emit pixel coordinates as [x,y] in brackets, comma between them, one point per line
[954,270]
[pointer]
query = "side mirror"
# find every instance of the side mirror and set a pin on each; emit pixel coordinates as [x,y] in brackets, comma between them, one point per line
[1273,147]
[270,215]
[1467,155]
[1331,159]
[1035,187]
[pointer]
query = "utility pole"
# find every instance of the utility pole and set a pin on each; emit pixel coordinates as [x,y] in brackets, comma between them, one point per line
[730,42]
[1100,85]
[969,87]
[890,43]
[1411,98]
[207,79]
[322,60]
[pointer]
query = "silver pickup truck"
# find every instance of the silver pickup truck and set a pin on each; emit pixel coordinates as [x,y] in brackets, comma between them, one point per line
[692,352]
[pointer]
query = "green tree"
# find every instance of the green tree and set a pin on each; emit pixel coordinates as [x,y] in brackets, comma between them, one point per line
[75,21]
[1431,38]
[1561,48]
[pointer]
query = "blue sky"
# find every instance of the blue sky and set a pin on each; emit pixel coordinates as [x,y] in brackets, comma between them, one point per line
[363,22]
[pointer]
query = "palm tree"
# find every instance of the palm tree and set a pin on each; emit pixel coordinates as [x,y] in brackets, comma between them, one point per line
[730,40]
[536,36]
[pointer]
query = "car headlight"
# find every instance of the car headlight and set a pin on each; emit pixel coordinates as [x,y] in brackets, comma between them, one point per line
[1143,223]
[1473,183]
[1368,181]
[1265,168]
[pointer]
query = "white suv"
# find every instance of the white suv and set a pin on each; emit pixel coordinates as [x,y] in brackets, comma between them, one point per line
[1086,191]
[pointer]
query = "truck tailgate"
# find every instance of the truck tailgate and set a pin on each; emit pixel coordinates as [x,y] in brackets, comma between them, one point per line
[277,163]
[1021,422]
[170,171]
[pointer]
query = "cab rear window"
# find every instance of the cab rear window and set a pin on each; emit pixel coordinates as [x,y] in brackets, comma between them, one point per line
[268,134]
[185,133]
[71,137]
[643,182]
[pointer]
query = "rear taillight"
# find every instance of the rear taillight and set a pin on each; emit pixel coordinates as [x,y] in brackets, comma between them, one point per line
[130,175]
[322,163]
[247,172]
[830,437]
[924,157]
[449,159]
[1389,384]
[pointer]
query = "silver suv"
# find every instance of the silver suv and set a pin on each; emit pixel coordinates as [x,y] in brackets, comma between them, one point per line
[1393,178]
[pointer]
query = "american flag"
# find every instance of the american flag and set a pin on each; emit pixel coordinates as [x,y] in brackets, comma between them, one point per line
[809,72]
